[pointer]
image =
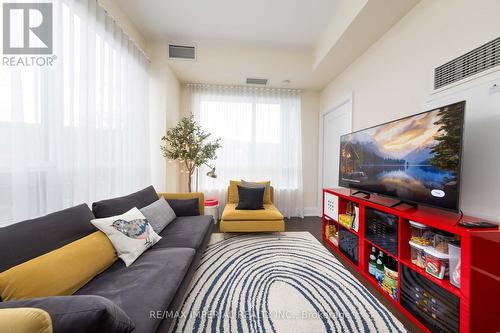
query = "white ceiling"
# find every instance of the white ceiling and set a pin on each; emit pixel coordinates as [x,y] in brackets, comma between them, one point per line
[297,23]
[308,42]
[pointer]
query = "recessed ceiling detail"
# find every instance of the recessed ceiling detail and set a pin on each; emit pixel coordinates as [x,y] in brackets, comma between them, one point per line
[296,23]
[307,42]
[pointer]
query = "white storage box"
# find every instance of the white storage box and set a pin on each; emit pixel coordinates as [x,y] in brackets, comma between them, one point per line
[331,208]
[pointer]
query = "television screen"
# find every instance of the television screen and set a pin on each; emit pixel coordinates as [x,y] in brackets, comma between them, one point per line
[414,159]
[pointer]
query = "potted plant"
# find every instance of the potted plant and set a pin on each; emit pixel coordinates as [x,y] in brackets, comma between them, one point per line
[187,143]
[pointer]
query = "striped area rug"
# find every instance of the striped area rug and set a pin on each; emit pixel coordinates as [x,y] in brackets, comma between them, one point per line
[259,283]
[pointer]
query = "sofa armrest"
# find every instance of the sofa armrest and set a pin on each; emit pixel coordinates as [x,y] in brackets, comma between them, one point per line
[25,320]
[191,195]
[77,314]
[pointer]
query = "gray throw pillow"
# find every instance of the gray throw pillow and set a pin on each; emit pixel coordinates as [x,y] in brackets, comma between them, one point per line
[159,214]
[251,184]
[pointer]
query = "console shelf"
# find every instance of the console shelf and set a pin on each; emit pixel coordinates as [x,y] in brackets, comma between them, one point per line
[381,249]
[446,284]
[465,309]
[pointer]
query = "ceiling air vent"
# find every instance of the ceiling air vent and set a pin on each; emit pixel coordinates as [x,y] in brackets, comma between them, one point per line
[256,81]
[181,52]
[476,61]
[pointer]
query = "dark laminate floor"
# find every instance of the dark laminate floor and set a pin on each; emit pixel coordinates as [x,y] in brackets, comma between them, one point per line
[313,225]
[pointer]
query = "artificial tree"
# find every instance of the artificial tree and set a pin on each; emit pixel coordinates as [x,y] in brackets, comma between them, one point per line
[187,143]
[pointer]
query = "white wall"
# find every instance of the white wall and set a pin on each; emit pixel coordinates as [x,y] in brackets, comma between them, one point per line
[392,79]
[114,10]
[230,63]
[164,108]
[310,127]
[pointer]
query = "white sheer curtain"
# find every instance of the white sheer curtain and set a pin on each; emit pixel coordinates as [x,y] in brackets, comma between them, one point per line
[76,131]
[261,140]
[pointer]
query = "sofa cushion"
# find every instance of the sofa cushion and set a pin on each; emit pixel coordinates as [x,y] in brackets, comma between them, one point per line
[232,195]
[26,240]
[79,314]
[185,207]
[143,288]
[117,206]
[250,197]
[130,233]
[187,195]
[270,212]
[59,272]
[252,226]
[159,214]
[187,231]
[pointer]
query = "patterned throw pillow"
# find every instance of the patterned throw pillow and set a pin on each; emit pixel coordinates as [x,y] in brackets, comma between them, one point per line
[130,233]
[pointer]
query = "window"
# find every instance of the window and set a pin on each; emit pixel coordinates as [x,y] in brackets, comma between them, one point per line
[76,131]
[261,139]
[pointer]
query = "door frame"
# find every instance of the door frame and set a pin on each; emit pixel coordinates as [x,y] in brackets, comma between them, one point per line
[341,102]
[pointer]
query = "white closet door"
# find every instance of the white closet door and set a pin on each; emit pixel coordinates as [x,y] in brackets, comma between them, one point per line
[335,123]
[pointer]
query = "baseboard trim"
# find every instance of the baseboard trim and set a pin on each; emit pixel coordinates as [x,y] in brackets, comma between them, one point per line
[311,211]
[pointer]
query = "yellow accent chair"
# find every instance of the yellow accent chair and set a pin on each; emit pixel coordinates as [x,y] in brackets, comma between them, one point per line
[268,219]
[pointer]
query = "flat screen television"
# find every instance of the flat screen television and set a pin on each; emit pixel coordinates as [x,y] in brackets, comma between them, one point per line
[416,159]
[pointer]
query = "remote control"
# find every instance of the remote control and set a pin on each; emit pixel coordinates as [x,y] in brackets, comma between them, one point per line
[477,224]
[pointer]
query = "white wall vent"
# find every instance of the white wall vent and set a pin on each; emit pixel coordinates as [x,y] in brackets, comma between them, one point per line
[476,61]
[181,52]
[256,81]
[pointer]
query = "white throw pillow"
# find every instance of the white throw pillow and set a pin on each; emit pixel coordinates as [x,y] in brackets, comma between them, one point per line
[130,233]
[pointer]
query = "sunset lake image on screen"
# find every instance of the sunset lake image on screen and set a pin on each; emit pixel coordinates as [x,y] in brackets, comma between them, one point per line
[415,159]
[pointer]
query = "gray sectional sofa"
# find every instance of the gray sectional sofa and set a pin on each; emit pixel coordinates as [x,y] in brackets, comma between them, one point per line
[138,298]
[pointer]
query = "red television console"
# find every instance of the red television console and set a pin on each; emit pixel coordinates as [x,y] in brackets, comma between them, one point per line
[435,305]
